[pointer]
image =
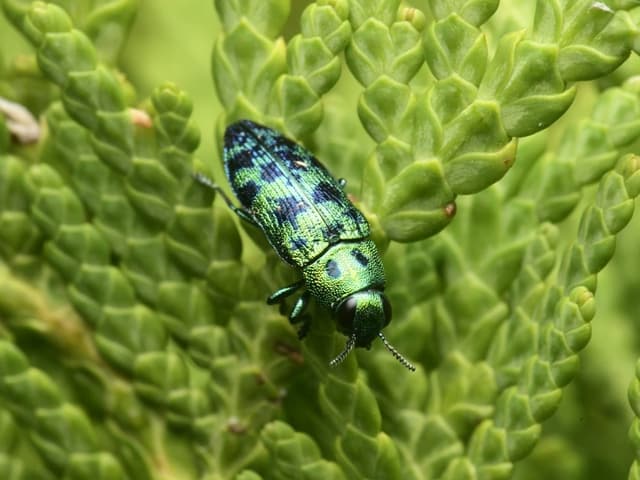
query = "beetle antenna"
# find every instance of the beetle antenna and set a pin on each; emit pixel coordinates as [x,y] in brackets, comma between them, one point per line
[396,354]
[343,354]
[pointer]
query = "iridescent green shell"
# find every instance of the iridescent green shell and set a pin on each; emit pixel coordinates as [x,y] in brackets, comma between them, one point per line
[296,202]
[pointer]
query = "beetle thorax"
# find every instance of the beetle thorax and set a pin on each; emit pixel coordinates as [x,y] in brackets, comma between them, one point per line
[343,269]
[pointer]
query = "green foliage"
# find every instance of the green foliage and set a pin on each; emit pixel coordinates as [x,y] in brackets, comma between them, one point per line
[134,338]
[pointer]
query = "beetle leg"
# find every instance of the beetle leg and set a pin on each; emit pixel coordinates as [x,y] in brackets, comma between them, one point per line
[296,315]
[298,309]
[284,292]
[243,213]
[306,326]
[342,183]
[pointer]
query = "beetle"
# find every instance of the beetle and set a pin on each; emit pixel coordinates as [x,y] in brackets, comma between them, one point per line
[309,221]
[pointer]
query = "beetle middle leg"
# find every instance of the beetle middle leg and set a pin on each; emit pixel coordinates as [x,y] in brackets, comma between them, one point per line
[243,213]
[296,314]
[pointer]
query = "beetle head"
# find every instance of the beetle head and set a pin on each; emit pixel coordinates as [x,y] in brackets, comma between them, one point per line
[361,317]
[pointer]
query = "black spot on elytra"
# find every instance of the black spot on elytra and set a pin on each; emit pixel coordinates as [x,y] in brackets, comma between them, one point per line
[287,208]
[270,171]
[298,243]
[325,192]
[285,145]
[247,192]
[293,155]
[360,257]
[332,269]
[242,158]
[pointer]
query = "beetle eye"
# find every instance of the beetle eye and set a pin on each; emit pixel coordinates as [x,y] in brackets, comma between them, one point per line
[386,308]
[345,315]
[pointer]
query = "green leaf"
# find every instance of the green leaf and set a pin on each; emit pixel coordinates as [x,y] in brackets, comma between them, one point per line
[134,338]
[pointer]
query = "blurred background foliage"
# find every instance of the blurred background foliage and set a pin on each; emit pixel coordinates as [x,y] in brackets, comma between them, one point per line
[587,437]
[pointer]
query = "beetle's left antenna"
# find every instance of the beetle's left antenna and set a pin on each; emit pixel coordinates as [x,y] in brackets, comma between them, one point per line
[396,354]
[343,354]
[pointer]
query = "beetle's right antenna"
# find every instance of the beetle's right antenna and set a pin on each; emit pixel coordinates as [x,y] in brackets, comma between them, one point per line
[343,354]
[396,354]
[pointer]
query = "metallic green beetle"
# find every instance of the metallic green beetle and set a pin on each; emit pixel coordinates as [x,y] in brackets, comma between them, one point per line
[309,221]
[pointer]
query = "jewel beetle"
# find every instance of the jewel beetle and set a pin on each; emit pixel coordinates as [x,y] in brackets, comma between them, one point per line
[312,225]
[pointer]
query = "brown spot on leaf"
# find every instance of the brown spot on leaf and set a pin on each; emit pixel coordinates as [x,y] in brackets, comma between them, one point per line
[235,426]
[450,209]
[290,352]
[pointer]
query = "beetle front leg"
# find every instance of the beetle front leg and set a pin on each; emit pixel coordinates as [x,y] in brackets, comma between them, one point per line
[284,292]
